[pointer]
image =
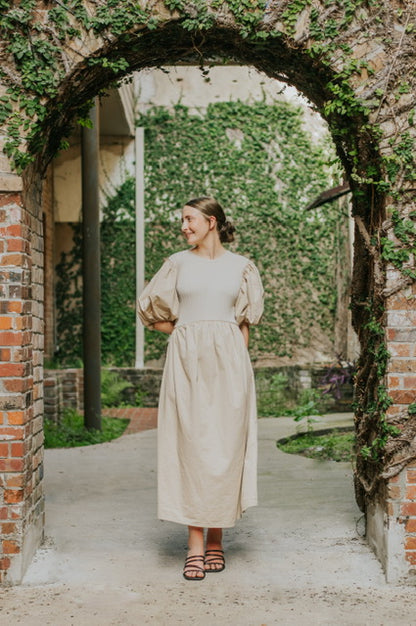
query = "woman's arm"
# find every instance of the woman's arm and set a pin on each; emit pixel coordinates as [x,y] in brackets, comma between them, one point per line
[245,329]
[164,327]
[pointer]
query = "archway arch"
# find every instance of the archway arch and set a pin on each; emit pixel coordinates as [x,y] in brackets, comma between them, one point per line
[354,72]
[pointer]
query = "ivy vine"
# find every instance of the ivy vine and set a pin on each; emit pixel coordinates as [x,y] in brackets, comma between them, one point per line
[260,163]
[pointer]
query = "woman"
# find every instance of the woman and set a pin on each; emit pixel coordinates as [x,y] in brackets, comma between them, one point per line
[205,298]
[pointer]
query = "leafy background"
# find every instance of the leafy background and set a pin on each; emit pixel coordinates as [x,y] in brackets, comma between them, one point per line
[263,167]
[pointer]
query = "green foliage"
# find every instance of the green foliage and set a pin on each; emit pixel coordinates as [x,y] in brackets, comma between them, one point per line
[112,387]
[118,271]
[411,409]
[273,394]
[310,403]
[399,253]
[334,446]
[257,160]
[264,169]
[71,432]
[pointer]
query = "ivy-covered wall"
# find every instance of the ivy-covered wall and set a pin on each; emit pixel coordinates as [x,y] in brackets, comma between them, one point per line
[263,167]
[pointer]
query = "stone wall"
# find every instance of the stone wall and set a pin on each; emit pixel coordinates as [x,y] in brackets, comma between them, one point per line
[64,388]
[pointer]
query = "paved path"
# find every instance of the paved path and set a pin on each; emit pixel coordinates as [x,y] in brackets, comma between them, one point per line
[296,559]
[140,418]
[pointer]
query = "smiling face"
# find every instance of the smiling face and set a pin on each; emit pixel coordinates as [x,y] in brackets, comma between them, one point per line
[195,226]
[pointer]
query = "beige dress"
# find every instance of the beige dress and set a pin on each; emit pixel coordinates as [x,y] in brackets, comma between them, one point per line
[207,424]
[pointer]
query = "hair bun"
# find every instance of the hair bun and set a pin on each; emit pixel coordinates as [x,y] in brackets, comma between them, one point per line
[227,231]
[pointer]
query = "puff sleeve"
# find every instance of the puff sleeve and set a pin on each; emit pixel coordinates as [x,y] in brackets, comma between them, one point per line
[159,301]
[249,302]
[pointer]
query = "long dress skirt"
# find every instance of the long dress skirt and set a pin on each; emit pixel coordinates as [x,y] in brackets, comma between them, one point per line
[207,440]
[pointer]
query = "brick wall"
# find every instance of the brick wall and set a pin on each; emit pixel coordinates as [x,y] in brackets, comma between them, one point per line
[63,389]
[400,506]
[21,435]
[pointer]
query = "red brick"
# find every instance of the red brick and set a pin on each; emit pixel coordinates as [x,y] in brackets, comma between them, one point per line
[12,433]
[411,557]
[390,334]
[411,476]
[12,369]
[22,323]
[4,512]
[411,493]
[395,479]
[408,508]
[11,465]
[394,409]
[17,384]
[10,547]
[16,245]
[5,354]
[11,339]
[410,543]
[403,396]
[394,492]
[10,403]
[8,528]
[411,526]
[15,306]
[16,418]
[399,349]
[12,496]
[398,366]
[17,449]
[5,323]
[15,480]
[4,450]
[409,382]
[12,259]
[393,381]
[400,302]
[11,198]
[4,563]
[15,511]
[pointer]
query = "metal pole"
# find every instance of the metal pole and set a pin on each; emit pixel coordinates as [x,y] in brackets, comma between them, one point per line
[139,147]
[91,293]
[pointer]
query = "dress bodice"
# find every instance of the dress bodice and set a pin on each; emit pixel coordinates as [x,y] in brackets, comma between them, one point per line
[189,288]
[207,288]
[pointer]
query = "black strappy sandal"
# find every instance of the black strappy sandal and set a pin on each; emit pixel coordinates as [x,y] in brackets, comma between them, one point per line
[215,557]
[190,566]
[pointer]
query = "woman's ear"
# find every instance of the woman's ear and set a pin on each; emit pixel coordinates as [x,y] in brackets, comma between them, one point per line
[212,222]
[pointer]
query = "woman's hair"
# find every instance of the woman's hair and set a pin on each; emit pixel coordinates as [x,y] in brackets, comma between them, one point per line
[210,207]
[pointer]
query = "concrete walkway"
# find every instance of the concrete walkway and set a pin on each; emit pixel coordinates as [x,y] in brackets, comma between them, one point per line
[298,558]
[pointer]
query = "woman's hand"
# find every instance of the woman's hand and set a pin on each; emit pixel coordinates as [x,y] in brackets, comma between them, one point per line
[164,327]
[245,329]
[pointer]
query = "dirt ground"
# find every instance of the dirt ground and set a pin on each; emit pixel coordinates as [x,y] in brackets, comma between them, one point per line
[298,558]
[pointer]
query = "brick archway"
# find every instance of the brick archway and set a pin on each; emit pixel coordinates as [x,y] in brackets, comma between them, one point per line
[357,70]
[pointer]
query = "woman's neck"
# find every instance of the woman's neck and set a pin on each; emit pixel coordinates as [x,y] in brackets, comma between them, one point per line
[210,249]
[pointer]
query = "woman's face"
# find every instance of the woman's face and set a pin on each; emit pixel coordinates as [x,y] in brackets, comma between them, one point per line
[195,226]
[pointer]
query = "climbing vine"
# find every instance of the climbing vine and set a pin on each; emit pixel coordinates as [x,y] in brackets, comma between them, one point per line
[264,169]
